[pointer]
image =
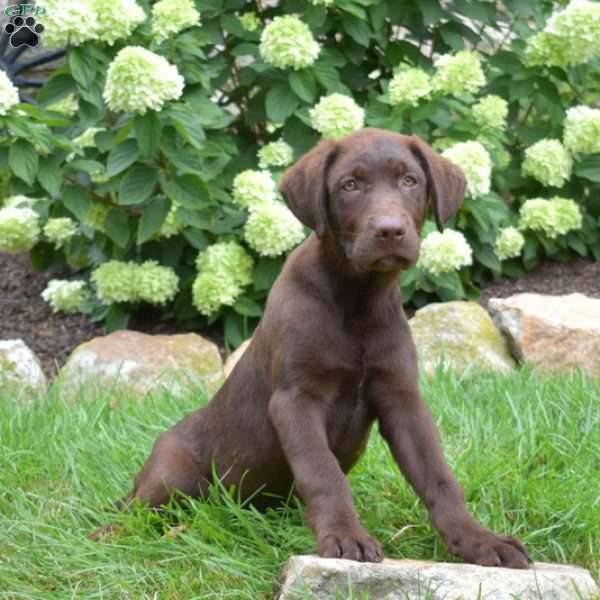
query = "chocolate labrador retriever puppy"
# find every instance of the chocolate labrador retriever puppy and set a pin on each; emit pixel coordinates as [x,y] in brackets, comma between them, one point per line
[332,354]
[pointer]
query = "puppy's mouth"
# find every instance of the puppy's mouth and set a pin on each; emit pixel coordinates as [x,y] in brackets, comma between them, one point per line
[392,262]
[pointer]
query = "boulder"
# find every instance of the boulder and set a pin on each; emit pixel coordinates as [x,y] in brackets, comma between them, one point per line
[145,363]
[325,578]
[551,332]
[461,335]
[234,357]
[20,367]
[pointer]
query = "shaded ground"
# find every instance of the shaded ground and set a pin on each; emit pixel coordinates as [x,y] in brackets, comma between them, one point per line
[23,313]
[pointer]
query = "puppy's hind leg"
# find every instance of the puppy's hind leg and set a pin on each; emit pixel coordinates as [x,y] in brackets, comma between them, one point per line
[170,469]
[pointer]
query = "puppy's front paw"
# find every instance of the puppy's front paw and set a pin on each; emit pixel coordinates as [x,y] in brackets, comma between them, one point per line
[353,545]
[483,547]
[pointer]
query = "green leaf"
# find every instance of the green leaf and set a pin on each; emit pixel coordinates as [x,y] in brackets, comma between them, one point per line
[82,65]
[23,161]
[188,191]
[137,185]
[197,238]
[147,131]
[487,258]
[247,307]
[77,200]
[116,318]
[280,103]
[589,168]
[49,175]
[55,89]
[303,84]
[329,78]
[233,329]
[357,29]
[121,157]
[152,219]
[117,227]
[187,124]
[265,273]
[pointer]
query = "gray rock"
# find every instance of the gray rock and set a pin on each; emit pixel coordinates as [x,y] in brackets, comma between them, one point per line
[462,335]
[144,363]
[20,367]
[327,578]
[551,332]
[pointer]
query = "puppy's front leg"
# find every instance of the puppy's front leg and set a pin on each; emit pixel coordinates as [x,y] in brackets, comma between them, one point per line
[299,420]
[410,431]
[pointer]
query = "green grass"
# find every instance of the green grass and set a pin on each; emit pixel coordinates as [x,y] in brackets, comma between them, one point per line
[526,449]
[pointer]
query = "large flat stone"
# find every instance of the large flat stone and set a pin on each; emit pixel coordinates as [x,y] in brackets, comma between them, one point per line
[323,578]
[20,367]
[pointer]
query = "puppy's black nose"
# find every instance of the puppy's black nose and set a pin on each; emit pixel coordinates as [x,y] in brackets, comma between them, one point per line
[390,228]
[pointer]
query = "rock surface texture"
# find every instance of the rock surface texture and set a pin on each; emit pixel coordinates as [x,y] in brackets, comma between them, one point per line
[145,362]
[19,367]
[551,332]
[321,579]
[462,335]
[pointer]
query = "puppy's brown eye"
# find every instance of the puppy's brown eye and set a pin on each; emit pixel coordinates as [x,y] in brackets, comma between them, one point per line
[409,181]
[350,186]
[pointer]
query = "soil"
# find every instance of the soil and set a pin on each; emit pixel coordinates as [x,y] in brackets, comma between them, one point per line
[23,313]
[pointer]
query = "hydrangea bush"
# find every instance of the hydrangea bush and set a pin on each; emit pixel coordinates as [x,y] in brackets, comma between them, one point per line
[147,168]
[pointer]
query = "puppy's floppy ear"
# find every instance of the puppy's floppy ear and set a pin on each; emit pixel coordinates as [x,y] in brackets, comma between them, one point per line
[304,186]
[445,181]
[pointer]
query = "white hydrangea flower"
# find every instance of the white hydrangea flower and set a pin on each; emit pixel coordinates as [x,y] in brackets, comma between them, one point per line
[509,243]
[60,230]
[582,130]
[114,281]
[553,217]
[210,291]
[272,229]
[9,94]
[275,154]
[20,201]
[169,17]
[408,86]
[336,115]
[253,187]
[65,296]
[139,80]
[249,21]
[445,252]
[476,164]
[287,42]
[69,23]
[458,73]
[548,162]
[117,19]
[19,229]
[171,226]
[491,111]
[154,283]
[570,37]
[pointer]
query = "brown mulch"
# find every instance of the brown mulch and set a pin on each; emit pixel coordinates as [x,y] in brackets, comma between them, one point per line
[23,313]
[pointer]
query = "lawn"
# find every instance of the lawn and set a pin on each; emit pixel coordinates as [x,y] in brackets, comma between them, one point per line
[526,449]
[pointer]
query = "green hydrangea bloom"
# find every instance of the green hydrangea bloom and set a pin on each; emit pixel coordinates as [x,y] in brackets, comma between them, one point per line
[169,17]
[548,162]
[272,229]
[509,243]
[115,281]
[65,296]
[138,80]
[69,22]
[570,37]
[249,21]
[117,19]
[96,216]
[86,139]
[275,154]
[458,73]
[19,229]
[68,105]
[9,94]
[58,231]
[336,115]
[408,86]
[553,217]
[287,43]
[253,187]
[445,252]
[154,283]
[491,111]
[172,226]
[476,164]
[223,269]
[582,130]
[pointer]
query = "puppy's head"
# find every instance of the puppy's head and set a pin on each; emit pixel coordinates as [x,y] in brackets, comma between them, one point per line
[370,191]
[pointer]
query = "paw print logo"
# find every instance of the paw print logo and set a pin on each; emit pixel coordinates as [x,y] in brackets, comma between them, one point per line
[24,32]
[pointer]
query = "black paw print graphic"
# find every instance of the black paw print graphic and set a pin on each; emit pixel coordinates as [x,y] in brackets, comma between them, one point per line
[24,32]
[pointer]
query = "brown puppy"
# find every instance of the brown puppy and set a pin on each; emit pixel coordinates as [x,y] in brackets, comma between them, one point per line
[332,353]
